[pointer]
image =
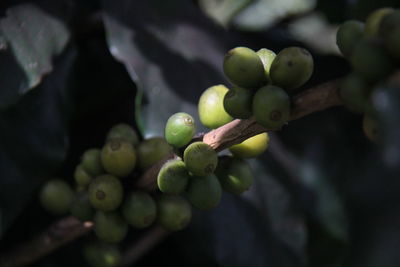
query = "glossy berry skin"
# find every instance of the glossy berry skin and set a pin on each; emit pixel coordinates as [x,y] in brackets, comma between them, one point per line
[173,177]
[82,178]
[180,129]
[200,159]
[251,147]
[152,150]
[101,254]
[211,107]
[105,193]
[81,207]
[139,209]
[110,226]
[56,196]
[267,57]
[390,32]
[91,162]
[348,34]
[244,68]
[235,175]
[124,131]
[174,212]
[370,61]
[291,68]
[118,157]
[238,102]
[373,21]
[354,92]
[271,107]
[204,193]
[371,128]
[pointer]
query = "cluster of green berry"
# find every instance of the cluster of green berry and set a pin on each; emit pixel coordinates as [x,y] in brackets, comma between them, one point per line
[102,181]
[373,50]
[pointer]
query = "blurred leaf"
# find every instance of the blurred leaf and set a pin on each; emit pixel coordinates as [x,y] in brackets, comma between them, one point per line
[264,13]
[172,52]
[29,39]
[223,11]
[33,140]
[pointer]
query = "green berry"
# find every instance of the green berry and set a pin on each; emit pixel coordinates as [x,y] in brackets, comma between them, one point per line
[180,129]
[354,92]
[271,107]
[174,212]
[81,207]
[211,107]
[82,178]
[118,157]
[100,254]
[390,32]
[370,61]
[267,57]
[371,128]
[110,226]
[124,131]
[204,193]
[348,34]
[91,162]
[243,67]
[373,21]
[200,159]
[238,101]
[173,177]
[292,68]
[56,196]
[139,209]
[235,175]
[105,193]
[152,150]
[251,147]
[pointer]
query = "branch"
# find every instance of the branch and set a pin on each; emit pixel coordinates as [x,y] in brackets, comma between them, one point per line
[58,234]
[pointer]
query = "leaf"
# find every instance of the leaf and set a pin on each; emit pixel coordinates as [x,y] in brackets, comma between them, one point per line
[262,14]
[29,39]
[171,51]
[33,140]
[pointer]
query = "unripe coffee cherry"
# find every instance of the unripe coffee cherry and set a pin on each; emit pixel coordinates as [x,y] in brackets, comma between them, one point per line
[152,150]
[110,226]
[251,147]
[200,159]
[174,212]
[370,61]
[244,68]
[82,178]
[123,131]
[354,92]
[180,129]
[292,68]
[118,157]
[267,57]
[238,102]
[348,34]
[56,196]
[101,254]
[91,162]
[173,177]
[204,193]
[105,193]
[81,207]
[271,107]
[211,107]
[139,209]
[371,128]
[234,174]
[373,21]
